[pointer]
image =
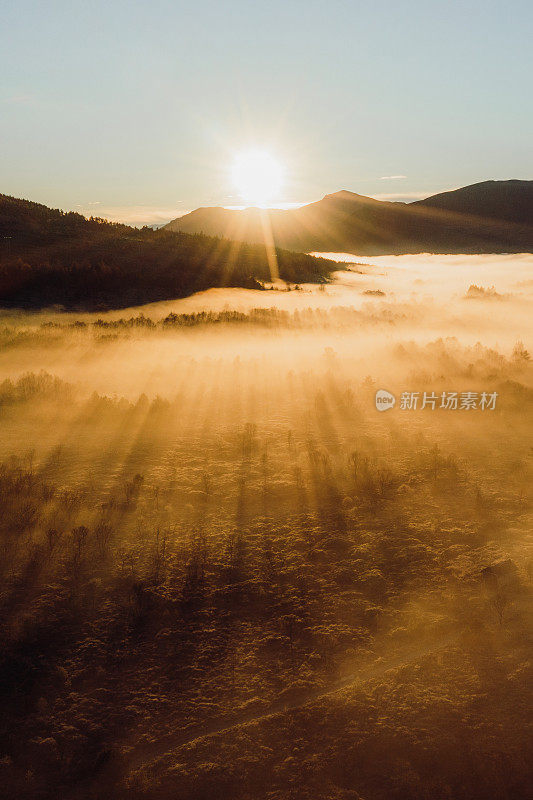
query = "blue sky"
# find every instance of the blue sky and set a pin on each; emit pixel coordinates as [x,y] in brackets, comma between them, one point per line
[137,109]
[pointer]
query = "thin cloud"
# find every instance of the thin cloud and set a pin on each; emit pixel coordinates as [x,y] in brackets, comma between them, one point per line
[393,177]
[401,196]
[22,99]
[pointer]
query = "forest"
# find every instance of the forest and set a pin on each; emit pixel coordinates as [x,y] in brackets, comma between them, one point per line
[225,574]
[49,257]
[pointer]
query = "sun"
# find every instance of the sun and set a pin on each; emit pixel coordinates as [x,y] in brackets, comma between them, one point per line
[257,176]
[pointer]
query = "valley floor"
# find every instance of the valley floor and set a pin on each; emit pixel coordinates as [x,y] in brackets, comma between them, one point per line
[225,574]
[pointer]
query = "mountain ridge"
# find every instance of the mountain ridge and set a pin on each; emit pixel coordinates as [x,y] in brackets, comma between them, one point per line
[489,216]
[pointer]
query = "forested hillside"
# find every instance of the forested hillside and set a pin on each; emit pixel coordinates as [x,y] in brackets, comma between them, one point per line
[49,257]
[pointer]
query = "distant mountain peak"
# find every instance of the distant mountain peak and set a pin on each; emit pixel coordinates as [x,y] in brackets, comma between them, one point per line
[343,194]
[487,217]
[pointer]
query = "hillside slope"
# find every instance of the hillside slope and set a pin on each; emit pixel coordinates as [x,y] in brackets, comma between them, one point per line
[508,201]
[48,257]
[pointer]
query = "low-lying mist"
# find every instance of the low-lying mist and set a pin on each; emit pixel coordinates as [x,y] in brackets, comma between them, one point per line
[226,573]
[363,315]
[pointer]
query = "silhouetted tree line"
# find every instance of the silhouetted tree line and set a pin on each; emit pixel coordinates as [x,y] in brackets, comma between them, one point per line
[49,257]
[267,317]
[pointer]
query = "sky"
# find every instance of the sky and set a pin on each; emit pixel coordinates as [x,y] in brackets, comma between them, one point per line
[136,110]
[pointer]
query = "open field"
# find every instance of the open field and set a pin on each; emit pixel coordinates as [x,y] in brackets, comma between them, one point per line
[225,574]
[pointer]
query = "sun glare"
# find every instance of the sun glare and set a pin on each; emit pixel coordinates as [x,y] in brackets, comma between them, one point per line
[258,177]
